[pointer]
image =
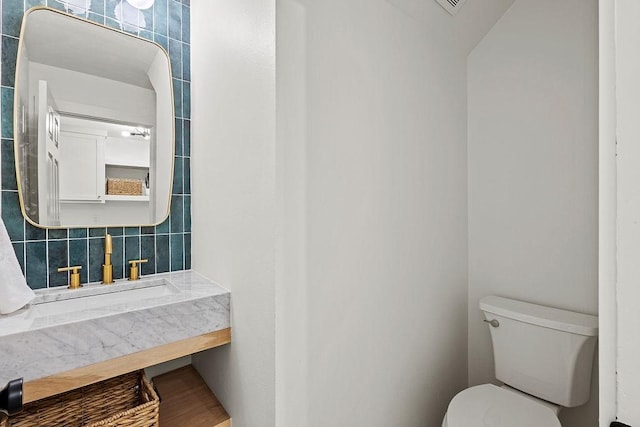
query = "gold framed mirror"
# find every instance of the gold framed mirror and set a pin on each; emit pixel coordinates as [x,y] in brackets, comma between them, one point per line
[93,124]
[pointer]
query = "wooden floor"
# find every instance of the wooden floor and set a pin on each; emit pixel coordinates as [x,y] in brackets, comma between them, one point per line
[186,400]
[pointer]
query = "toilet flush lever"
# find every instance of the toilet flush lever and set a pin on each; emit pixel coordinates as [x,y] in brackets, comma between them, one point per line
[493,322]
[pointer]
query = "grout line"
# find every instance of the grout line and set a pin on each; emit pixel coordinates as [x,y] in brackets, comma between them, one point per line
[123,260]
[46,248]
[155,251]
[88,259]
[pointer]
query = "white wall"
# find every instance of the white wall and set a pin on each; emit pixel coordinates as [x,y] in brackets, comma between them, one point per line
[292,406]
[607,194]
[233,205]
[354,221]
[533,169]
[108,99]
[371,310]
[628,237]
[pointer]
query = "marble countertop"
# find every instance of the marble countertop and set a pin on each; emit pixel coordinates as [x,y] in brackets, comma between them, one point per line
[67,329]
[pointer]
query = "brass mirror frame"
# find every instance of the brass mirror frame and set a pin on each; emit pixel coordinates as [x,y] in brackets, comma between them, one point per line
[21,41]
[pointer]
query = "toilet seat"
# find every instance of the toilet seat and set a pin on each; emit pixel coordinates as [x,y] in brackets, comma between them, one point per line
[488,405]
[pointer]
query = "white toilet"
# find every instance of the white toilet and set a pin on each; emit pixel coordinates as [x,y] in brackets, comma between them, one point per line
[544,357]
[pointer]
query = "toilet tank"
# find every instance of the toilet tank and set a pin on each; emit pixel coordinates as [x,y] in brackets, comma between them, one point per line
[545,352]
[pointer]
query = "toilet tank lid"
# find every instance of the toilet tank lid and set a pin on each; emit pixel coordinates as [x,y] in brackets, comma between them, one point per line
[549,317]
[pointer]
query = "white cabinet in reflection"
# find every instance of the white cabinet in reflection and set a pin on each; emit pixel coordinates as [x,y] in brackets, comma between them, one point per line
[82,171]
[91,153]
[128,152]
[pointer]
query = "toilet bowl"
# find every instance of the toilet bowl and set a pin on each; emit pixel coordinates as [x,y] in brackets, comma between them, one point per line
[488,405]
[539,379]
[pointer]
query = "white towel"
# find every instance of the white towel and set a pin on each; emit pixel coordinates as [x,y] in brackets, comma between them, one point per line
[14,292]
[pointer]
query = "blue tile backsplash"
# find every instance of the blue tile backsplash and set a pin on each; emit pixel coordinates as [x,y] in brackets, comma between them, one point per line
[167,246]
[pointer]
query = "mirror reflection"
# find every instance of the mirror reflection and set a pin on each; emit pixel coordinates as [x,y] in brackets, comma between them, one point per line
[93,124]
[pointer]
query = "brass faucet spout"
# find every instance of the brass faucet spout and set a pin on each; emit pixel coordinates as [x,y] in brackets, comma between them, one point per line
[107,267]
[108,245]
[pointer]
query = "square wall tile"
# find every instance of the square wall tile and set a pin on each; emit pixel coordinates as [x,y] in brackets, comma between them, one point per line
[115,231]
[175,19]
[186,138]
[112,23]
[55,4]
[187,176]
[162,41]
[8,166]
[96,259]
[6,104]
[177,214]
[160,17]
[12,215]
[18,248]
[110,9]
[187,251]
[177,98]
[117,258]
[78,252]
[34,233]
[148,230]
[162,253]
[36,264]
[97,6]
[58,255]
[148,251]
[97,232]
[146,34]
[12,12]
[132,231]
[178,137]
[28,4]
[177,252]
[9,58]
[178,176]
[131,251]
[186,62]
[78,233]
[146,23]
[187,214]
[163,228]
[186,100]
[186,24]
[61,233]
[94,17]
[175,56]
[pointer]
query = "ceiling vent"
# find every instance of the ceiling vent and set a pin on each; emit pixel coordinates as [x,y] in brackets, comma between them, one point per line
[451,6]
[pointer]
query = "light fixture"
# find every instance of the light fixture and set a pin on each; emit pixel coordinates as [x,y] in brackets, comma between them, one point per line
[129,17]
[143,132]
[141,4]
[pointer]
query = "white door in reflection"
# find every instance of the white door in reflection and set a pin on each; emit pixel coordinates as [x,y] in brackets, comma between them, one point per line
[49,154]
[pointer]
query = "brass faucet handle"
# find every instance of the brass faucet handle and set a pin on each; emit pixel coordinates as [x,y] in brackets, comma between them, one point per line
[74,277]
[134,274]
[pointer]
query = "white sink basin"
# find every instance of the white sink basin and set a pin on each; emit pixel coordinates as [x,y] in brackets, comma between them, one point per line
[99,296]
[58,306]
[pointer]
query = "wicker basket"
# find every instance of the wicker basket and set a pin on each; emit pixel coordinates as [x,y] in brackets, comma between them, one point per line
[125,401]
[124,187]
